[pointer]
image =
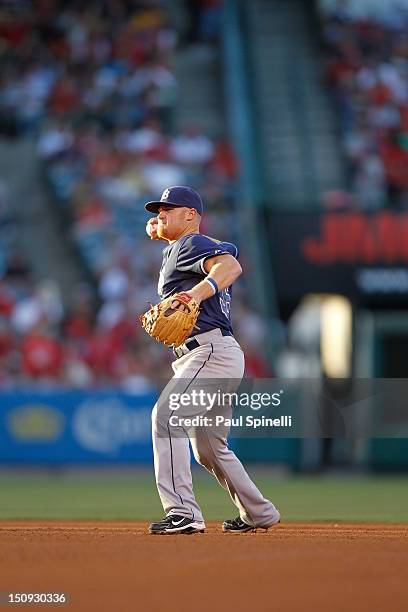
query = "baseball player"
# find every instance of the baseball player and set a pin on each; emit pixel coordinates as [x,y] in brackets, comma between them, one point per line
[203,269]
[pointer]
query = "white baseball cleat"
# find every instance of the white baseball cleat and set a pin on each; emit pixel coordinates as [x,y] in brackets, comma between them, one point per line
[174,523]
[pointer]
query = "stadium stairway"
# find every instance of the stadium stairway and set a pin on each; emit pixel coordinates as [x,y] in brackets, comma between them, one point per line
[198,84]
[295,123]
[39,236]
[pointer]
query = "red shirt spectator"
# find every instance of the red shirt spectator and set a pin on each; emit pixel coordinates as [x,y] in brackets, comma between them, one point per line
[78,326]
[126,331]
[65,96]
[224,160]
[105,162]
[380,94]
[395,162]
[6,342]
[404,118]
[102,353]
[256,366]
[13,31]
[93,214]
[6,302]
[41,356]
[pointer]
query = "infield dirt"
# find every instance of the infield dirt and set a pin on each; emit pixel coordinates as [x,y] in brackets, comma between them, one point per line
[117,566]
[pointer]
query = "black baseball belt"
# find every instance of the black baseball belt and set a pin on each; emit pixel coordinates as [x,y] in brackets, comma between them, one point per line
[193,343]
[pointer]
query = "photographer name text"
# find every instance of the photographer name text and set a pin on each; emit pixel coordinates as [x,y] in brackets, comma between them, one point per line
[240,421]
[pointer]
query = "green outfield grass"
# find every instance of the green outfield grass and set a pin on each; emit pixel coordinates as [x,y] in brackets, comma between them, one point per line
[132,496]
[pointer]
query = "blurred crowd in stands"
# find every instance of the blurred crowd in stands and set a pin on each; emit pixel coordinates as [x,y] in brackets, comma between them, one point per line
[94,84]
[367,74]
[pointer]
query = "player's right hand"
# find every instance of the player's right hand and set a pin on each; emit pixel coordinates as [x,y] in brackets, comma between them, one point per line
[151,228]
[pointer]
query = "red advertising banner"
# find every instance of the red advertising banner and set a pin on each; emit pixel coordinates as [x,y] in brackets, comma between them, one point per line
[354,253]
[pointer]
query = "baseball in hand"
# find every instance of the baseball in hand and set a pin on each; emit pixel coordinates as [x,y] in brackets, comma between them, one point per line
[151,228]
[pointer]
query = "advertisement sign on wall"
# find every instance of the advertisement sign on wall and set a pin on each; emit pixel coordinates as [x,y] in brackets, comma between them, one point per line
[361,255]
[75,427]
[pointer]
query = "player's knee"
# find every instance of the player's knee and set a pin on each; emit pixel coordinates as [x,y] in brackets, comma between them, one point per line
[203,455]
[207,454]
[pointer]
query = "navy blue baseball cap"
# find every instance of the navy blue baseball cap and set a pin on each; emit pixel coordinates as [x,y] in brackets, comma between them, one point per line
[178,196]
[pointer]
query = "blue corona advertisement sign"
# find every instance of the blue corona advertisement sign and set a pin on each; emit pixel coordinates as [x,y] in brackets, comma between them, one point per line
[75,427]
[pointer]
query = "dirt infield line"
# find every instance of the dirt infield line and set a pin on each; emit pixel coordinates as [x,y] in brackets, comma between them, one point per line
[118,567]
[292,529]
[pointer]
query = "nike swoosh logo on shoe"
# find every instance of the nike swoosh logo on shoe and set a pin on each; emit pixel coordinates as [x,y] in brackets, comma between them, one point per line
[175,523]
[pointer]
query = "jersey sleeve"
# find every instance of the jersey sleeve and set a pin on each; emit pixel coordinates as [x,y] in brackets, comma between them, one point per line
[197,248]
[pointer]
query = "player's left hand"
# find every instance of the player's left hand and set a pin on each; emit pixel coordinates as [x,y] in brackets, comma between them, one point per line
[169,325]
[182,307]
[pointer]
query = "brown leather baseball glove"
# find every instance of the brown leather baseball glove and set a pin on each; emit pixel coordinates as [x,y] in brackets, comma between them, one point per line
[170,325]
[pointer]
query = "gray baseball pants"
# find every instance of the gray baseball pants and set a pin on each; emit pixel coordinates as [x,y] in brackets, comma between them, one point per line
[216,364]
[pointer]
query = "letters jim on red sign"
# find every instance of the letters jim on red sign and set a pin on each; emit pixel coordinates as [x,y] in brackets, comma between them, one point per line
[328,252]
[356,238]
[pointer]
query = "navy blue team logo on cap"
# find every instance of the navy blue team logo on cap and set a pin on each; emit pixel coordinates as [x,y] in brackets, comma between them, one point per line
[178,196]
